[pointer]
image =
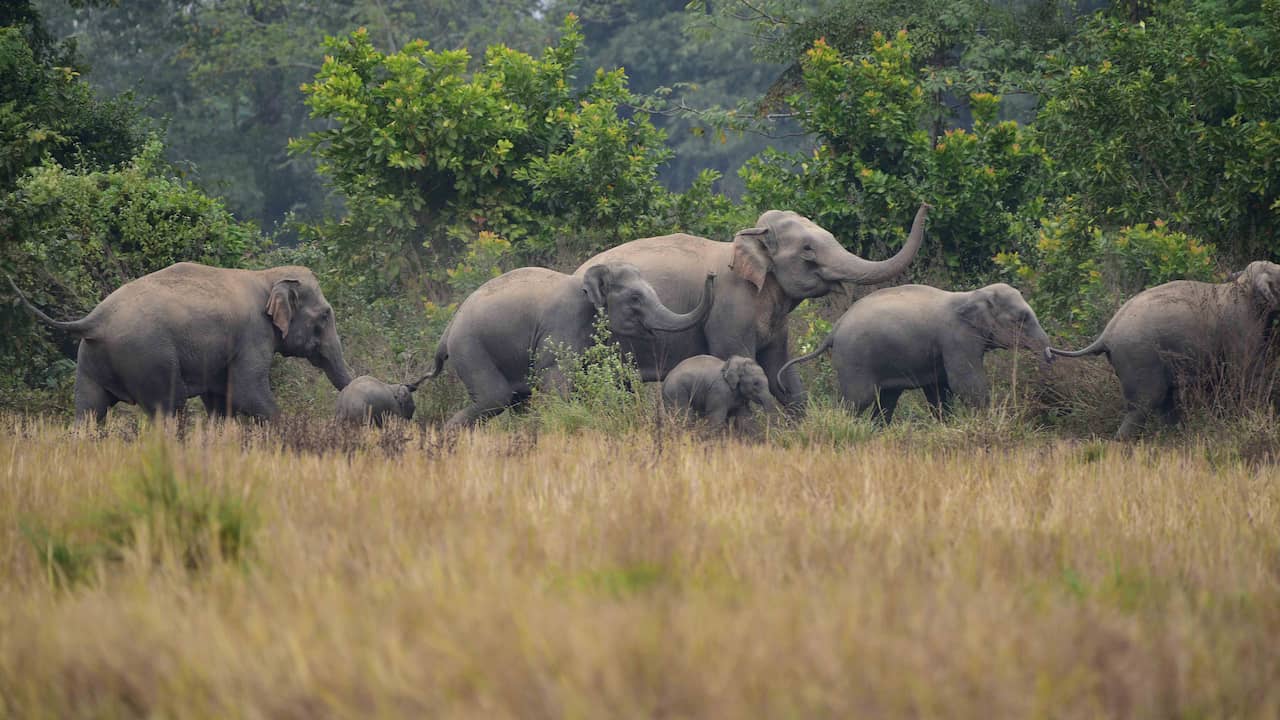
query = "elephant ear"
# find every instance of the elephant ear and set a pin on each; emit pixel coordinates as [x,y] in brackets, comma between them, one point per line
[595,283]
[282,303]
[751,254]
[978,311]
[732,372]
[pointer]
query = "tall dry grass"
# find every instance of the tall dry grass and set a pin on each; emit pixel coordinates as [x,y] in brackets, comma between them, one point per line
[511,575]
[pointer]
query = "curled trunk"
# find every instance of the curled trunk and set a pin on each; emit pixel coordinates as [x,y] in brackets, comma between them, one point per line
[660,317]
[869,272]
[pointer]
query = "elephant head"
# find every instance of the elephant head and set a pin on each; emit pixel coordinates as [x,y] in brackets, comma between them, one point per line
[1261,280]
[633,306]
[807,261]
[305,325]
[747,380]
[403,395]
[1003,319]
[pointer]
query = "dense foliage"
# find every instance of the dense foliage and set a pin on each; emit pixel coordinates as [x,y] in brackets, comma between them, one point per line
[876,161]
[428,154]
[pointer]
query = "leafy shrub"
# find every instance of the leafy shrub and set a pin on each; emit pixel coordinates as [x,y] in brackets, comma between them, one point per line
[605,391]
[1079,274]
[158,511]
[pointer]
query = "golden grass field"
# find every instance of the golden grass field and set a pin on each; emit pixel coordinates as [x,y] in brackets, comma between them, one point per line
[660,575]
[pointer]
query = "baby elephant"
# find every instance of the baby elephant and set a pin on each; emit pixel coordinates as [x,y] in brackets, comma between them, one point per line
[718,389]
[1186,330]
[369,399]
[916,336]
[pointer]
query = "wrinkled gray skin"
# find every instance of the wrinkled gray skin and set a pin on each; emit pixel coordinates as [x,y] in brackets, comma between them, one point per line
[507,326]
[367,399]
[1177,330]
[765,272]
[719,390]
[916,336]
[192,330]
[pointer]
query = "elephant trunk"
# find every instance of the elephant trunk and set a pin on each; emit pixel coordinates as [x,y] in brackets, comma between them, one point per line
[331,361]
[659,317]
[1036,340]
[854,269]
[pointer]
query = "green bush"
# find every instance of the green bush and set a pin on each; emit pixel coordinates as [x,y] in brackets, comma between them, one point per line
[1079,274]
[605,391]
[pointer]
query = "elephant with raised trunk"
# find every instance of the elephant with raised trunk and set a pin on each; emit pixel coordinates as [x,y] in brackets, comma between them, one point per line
[511,325]
[765,272]
[1186,330]
[370,400]
[719,390]
[191,330]
[916,336]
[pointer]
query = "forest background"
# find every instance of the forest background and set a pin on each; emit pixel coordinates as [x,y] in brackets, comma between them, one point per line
[408,151]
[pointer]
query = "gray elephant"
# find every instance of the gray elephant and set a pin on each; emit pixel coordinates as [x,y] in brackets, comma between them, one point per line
[719,390]
[510,325]
[367,399]
[916,336]
[765,272]
[1185,330]
[191,330]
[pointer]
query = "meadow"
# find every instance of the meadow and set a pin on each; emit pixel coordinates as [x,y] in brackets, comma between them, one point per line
[299,570]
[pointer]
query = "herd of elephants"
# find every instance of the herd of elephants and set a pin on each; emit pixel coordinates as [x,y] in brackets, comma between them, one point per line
[706,318]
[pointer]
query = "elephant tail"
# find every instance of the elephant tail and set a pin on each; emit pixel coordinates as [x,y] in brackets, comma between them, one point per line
[80,328]
[1096,348]
[442,354]
[825,346]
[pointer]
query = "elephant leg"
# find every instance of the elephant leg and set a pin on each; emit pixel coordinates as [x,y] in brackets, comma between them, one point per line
[1146,387]
[248,389]
[885,404]
[92,400]
[490,391]
[792,396]
[718,418]
[858,397]
[1170,408]
[967,378]
[215,404]
[938,396]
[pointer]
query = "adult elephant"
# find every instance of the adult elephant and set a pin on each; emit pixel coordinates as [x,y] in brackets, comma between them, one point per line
[509,328]
[916,336]
[765,272]
[1187,331]
[191,330]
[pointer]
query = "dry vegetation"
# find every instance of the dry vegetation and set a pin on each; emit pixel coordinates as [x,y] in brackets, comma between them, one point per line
[511,574]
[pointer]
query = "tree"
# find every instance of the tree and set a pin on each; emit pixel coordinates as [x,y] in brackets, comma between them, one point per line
[875,162]
[428,153]
[1173,119]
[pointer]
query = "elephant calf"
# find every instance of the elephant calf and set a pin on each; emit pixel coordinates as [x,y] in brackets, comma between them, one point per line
[1179,330]
[915,336]
[507,329]
[368,399]
[716,389]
